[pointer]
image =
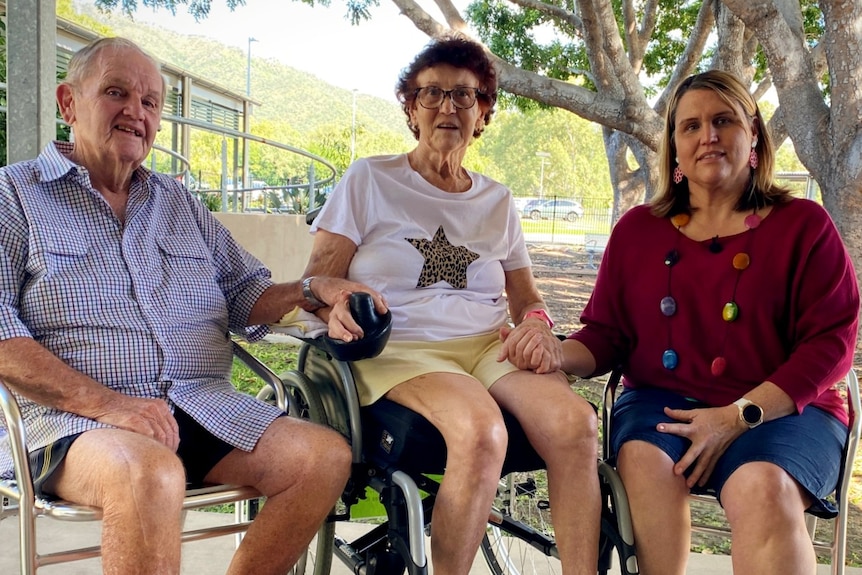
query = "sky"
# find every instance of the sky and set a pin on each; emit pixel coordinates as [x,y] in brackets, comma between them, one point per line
[320,40]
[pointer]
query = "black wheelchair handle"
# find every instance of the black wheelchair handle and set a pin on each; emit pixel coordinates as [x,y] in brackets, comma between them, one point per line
[376,328]
[362,309]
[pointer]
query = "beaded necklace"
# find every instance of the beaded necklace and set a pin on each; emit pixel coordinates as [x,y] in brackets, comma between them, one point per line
[730,310]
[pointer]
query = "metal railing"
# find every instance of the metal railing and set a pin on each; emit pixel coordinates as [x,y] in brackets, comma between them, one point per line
[312,187]
[235,195]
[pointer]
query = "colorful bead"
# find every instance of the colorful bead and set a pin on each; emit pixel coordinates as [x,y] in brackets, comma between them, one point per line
[668,306]
[718,366]
[680,220]
[669,359]
[752,221]
[730,311]
[741,261]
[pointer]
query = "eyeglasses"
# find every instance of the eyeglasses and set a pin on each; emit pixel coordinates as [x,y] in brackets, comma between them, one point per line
[431,97]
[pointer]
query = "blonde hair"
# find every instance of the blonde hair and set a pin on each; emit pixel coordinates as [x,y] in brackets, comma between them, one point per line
[673,198]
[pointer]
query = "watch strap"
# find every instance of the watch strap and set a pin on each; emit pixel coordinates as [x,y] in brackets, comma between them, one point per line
[744,405]
[309,296]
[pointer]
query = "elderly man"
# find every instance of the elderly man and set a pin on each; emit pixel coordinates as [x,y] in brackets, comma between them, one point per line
[117,293]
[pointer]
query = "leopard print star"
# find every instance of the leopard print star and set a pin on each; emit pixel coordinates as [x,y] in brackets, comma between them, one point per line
[443,261]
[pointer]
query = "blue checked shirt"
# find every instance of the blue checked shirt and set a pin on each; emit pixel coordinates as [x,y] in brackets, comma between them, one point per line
[145,307]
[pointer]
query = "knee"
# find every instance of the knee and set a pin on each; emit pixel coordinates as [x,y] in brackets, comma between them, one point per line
[142,478]
[644,465]
[326,455]
[570,425]
[762,491]
[341,457]
[579,417]
[480,439]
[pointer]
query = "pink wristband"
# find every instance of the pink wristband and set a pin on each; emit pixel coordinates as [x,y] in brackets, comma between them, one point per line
[542,315]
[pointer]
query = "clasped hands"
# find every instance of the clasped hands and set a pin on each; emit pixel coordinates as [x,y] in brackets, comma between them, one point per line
[531,345]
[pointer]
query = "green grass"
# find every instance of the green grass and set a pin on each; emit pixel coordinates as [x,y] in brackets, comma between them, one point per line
[279,357]
[563,228]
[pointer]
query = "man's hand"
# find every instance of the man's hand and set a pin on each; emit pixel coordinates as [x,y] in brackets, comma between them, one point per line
[335,292]
[150,417]
[531,345]
[710,430]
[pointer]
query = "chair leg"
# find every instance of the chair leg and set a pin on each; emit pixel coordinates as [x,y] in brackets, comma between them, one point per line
[811,524]
[27,533]
[839,542]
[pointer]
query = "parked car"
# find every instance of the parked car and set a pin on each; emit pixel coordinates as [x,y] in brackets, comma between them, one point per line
[520,202]
[570,210]
[529,206]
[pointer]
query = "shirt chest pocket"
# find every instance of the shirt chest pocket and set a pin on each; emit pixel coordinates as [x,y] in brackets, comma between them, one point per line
[186,263]
[183,250]
[63,257]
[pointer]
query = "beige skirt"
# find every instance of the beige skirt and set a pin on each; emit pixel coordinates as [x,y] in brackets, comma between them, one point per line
[401,361]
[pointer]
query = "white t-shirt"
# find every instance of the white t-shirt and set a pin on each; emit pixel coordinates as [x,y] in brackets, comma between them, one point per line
[396,219]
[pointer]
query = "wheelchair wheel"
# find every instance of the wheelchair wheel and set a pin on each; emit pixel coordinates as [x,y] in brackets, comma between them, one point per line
[522,497]
[304,403]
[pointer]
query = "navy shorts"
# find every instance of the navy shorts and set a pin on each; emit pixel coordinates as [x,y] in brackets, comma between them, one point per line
[808,446]
[199,451]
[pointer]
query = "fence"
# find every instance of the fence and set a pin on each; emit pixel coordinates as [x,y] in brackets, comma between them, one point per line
[587,221]
[570,220]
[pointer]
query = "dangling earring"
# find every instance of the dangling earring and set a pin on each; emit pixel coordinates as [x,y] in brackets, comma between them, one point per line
[677,173]
[753,160]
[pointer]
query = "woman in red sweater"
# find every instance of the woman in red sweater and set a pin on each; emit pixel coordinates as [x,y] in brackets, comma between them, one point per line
[732,307]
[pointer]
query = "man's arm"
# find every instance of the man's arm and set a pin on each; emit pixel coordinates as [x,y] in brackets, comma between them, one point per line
[37,374]
[280,299]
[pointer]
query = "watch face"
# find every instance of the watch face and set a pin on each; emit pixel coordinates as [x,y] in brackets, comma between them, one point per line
[752,414]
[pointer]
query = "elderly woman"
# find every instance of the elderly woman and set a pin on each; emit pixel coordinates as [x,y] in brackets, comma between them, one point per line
[732,308]
[445,248]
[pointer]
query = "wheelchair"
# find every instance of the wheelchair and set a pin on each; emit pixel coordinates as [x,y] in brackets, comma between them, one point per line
[398,458]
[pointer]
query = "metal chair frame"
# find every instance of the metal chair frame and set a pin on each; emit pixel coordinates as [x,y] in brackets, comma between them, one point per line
[837,547]
[18,498]
[594,246]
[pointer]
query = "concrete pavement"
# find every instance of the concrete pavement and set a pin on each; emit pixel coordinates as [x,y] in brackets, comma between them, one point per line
[211,557]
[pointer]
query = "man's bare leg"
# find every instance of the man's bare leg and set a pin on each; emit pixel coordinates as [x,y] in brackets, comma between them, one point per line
[302,469]
[139,483]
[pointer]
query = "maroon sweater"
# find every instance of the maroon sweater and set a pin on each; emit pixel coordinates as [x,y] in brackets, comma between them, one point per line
[798,308]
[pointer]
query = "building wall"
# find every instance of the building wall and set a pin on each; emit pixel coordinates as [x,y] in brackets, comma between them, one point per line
[280,241]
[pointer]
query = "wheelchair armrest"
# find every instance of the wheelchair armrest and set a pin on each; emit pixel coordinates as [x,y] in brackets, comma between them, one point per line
[608,397]
[18,444]
[312,214]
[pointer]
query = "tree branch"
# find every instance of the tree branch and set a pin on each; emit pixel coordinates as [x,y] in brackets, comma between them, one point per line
[693,52]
